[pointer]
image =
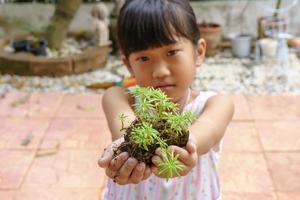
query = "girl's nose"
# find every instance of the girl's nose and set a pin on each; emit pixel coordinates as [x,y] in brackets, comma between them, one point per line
[161,71]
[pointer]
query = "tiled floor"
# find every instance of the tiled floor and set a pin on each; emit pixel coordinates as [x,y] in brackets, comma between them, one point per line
[50,143]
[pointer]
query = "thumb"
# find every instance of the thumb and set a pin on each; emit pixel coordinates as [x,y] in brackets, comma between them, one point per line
[106,157]
[191,147]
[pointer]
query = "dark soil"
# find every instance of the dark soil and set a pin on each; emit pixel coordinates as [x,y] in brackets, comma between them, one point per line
[142,155]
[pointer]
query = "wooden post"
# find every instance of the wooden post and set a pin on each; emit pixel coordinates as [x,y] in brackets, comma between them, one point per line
[58,28]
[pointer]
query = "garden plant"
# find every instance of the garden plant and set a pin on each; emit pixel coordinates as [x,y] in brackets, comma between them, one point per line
[158,123]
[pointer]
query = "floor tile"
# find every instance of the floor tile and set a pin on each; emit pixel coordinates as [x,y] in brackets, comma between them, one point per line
[285,171]
[248,196]
[7,194]
[44,104]
[22,133]
[242,108]
[19,104]
[66,169]
[275,107]
[81,105]
[39,193]
[68,133]
[241,136]
[77,134]
[244,173]
[279,135]
[13,167]
[288,196]
[14,104]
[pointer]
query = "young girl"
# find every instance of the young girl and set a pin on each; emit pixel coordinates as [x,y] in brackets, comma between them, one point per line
[161,48]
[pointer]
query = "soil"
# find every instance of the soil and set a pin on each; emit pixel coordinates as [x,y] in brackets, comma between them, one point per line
[142,155]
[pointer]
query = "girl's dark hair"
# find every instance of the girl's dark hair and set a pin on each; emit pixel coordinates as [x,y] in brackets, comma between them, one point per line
[144,24]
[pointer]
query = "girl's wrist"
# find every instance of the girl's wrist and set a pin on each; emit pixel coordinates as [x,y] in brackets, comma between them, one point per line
[192,138]
[203,133]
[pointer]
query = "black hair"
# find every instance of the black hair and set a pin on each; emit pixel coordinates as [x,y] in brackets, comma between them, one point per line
[144,24]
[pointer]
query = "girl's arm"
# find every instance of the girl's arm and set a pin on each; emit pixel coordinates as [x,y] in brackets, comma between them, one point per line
[205,133]
[121,169]
[115,102]
[209,128]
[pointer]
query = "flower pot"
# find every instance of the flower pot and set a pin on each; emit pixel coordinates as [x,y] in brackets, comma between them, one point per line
[295,44]
[212,34]
[269,26]
[268,47]
[241,45]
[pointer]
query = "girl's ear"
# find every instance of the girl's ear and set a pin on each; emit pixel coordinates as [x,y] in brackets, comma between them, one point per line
[126,62]
[200,52]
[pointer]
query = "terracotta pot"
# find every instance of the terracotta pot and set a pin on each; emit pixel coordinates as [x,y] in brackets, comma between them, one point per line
[212,33]
[295,43]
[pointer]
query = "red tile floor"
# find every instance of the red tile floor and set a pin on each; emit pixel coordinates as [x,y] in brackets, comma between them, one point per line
[50,143]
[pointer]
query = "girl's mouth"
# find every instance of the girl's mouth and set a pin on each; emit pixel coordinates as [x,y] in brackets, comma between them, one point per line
[165,87]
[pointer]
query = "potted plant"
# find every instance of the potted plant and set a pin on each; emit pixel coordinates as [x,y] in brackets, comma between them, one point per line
[272,24]
[241,42]
[158,124]
[212,33]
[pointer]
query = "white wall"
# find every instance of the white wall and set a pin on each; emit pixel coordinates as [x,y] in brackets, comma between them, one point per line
[227,13]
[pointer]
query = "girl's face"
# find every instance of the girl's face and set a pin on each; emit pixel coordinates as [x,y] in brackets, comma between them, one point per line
[170,68]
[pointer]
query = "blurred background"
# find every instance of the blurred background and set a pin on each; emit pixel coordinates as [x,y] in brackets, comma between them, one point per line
[58,57]
[256,42]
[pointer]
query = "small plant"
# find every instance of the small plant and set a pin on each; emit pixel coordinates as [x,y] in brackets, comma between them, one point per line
[158,123]
[122,118]
[170,164]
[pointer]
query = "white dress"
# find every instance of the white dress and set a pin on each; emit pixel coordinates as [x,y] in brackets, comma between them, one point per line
[202,183]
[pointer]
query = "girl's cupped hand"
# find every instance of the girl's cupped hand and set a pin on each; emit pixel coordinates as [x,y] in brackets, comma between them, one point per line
[187,157]
[122,168]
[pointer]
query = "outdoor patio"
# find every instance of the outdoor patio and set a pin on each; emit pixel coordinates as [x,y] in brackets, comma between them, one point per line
[53,129]
[50,143]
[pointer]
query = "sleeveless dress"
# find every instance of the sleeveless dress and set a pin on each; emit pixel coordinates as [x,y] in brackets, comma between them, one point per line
[202,183]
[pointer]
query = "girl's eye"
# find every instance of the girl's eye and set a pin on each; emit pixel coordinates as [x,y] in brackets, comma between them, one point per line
[172,52]
[143,59]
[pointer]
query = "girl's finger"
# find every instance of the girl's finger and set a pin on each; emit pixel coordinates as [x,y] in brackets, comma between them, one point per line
[191,147]
[108,153]
[156,159]
[147,173]
[118,161]
[137,173]
[106,158]
[154,169]
[127,168]
[184,156]
[110,173]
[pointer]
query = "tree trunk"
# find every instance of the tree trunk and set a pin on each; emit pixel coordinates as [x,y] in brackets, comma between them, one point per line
[58,28]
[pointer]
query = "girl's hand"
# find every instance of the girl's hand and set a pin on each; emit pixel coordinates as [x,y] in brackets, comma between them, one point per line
[122,169]
[187,156]
[108,153]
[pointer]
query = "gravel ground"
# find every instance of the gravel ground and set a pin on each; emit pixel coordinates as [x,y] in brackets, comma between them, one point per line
[222,73]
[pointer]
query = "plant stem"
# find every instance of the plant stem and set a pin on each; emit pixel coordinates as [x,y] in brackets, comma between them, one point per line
[278,4]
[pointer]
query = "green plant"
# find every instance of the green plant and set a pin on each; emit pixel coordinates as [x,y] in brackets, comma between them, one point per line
[278,5]
[169,164]
[144,135]
[122,118]
[158,124]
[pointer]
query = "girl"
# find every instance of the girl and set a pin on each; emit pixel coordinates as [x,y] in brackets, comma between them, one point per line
[161,48]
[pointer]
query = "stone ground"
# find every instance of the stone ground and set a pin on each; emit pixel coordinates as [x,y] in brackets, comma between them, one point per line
[50,143]
[221,73]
